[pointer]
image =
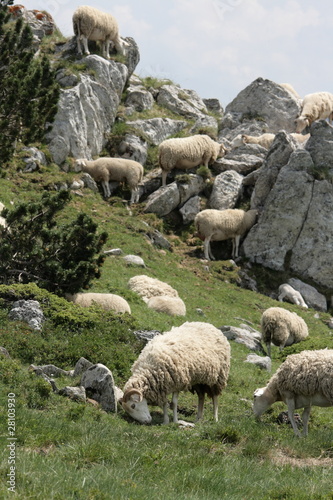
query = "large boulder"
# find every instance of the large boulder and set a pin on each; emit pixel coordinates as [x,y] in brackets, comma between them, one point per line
[268,101]
[158,129]
[182,101]
[87,111]
[226,190]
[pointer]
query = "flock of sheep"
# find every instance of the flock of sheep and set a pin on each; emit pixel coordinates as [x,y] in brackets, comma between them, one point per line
[196,356]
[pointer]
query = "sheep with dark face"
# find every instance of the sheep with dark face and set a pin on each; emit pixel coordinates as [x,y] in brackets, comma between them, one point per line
[192,357]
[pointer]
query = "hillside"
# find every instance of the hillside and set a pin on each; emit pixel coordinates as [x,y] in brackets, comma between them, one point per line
[66,449]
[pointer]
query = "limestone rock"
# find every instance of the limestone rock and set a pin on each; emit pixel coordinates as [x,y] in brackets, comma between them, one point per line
[190,209]
[226,190]
[164,200]
[269,101]
[183,102]
[250,339]
[139,98]
[158,129]
[134,148]
[99,385]
[265,363]
[243,160]
[134,260]
[28,311]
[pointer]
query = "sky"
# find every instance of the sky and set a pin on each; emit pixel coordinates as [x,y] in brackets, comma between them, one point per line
[218,47]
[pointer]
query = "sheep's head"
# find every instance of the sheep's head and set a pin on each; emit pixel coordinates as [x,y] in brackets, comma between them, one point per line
[79,164]
[222,151]
[262,401]
[237,141]
[136,406]
[301,123]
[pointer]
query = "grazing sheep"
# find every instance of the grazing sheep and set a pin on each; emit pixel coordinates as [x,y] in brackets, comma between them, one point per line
[192,357]
[303,380]
[107,169]
[281,327]
[148,287]
[188,152]
[92,24]
[220,225]
[264,140]
[287,291]
[317,106]
[174,306]
[105,300]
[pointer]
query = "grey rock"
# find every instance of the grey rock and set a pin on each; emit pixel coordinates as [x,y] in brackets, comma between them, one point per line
[213,105]
[87,111]
[75,393]
[157,239]
[203,123]
[134,260]
[66,79]
[89,182]
[164,200]
[99,385]
[146,334]
[4,352]
[193,185]
[158,129]
[113,251]
[134,148]
[244,159]
[246,282]
[243,336]
[81,366]
[77,185]
[265,363]
[139,98]
[33,159]
[50,370]
[183,102]
[150,182]
[269,101]
[190,209]
[28,311]
[132,55]
[226,191]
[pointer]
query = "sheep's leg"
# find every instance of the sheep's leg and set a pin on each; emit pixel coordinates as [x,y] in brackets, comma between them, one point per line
[291,408]
[201,401]
[235,246]
[268,347]
[134,195]
[165,413]
[84,41]
[207,250]
[175,407]
[106,48]
[164,177]
[106,188]
[305,419]
[215,407]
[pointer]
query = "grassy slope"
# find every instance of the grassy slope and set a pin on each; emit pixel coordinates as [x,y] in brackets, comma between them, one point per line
[68,450]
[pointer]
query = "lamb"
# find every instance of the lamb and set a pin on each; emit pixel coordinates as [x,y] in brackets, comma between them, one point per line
[148,287]
[188,152]
[316,106]
[303,380]
[106,300]
[287,291]
[92,24]
[282,327]
[107,169]
[220,225]
[264,140]
[192,357]
[174,306]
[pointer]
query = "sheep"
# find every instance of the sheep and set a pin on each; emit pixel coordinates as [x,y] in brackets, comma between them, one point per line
[289,88]
[316,106]
[264,140]
[287,291]
[148,287]
[220,225]
[282,327]
[92,24]
[174,306]
[105,300]
[303,380]
[188,152]
[300,138]
[107,169]
[194,356]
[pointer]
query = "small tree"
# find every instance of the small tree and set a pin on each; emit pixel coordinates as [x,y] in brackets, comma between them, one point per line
[59,257]
[29,92]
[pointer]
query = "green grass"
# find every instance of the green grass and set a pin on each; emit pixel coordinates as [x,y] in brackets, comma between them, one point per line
[67,450]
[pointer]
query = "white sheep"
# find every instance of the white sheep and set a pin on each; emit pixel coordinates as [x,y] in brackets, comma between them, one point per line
[3,222]
[303,380]
[106,300]
[148,287]
[174,306]
[264,140]
[107,169]
[282,328]
[92,24]
[288,292]
[316,106]
[192,357]
[188,152]
[220,225]
[300,138]
[289,88]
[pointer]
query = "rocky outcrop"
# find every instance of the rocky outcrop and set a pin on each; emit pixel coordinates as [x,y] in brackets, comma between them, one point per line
[295,229]
[87,111]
